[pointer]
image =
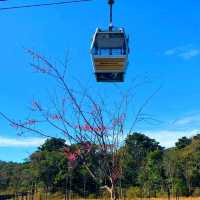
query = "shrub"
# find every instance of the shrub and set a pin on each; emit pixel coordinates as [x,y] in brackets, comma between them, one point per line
[133,192]
[196,192]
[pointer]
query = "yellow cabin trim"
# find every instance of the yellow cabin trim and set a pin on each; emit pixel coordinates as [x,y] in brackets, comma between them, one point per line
[109,67]
[109,64]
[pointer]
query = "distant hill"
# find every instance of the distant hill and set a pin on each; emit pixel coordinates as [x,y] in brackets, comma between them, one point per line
[149,170]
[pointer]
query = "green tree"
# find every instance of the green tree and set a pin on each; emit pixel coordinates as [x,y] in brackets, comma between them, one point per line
[137,146]
[49,164]
[152,174]
[183,142]
[53,144]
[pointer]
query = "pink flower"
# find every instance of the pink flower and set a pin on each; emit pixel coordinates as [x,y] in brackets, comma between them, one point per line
[56,117]
[16,126]
[43,70]
[119,120]
[72,157]
[100,129]
[31,122]
[87,127]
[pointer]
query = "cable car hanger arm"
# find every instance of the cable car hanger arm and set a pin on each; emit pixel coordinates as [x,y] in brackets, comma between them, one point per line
[111,2]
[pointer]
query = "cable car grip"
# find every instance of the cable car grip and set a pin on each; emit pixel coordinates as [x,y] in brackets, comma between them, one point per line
[111,2]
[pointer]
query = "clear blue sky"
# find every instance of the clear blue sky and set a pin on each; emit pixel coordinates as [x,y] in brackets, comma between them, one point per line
[164,43]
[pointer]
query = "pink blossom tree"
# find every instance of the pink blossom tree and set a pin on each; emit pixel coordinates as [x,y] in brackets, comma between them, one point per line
[82,119]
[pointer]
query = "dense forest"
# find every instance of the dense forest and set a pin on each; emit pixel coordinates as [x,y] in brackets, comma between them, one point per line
[149,170]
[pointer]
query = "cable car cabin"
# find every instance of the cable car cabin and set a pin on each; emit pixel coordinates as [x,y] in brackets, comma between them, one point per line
[109,52]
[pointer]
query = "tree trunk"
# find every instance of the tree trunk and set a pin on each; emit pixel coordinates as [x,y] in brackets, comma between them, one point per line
[113,192]
[168,193]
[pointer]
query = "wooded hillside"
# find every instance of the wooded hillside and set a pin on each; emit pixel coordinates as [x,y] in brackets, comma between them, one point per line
[149,170]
